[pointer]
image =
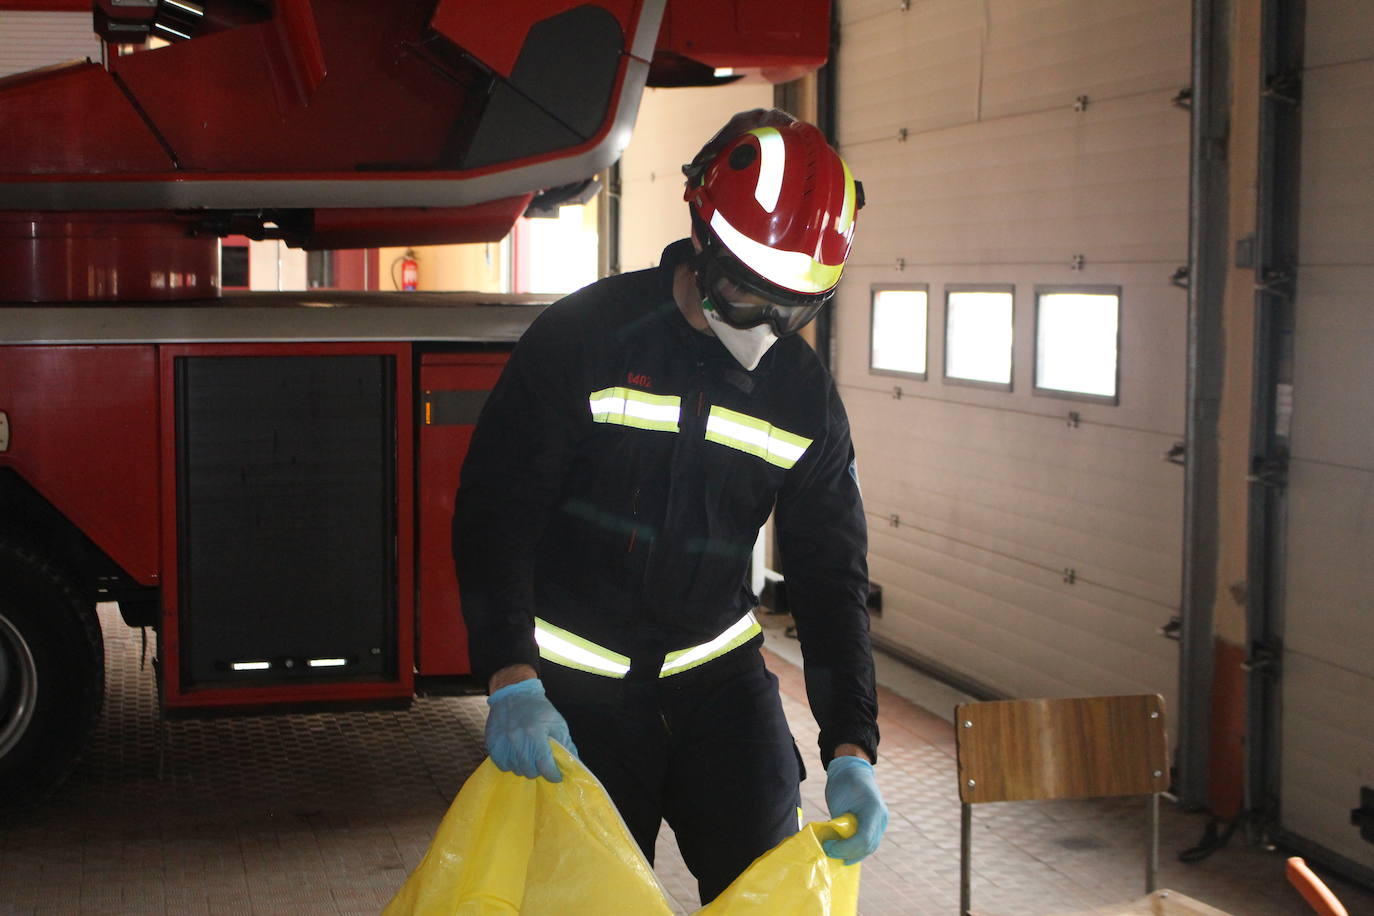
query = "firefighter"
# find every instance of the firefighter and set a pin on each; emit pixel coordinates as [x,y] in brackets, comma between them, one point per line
[641,434]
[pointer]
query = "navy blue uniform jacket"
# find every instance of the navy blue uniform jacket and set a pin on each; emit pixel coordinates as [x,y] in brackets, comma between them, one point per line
[638,537]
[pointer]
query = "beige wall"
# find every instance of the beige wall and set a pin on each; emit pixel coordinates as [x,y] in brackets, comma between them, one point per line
[480,268]
[274,266]
[445,268]
[673,124]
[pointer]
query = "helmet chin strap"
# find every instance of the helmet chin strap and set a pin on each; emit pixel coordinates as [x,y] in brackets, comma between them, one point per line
[702,256]
[746,345]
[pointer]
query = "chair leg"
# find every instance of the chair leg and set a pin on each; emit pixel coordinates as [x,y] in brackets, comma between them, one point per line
[1152,847]
[965,852]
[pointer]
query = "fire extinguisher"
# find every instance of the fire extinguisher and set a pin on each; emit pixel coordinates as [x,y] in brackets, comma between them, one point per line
[410,271]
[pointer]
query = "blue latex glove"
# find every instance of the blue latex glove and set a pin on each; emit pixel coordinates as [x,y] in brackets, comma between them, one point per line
[851,789]
[519,727]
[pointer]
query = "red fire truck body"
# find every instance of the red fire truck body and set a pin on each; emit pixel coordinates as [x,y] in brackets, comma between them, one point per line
[267,480]
[103,433]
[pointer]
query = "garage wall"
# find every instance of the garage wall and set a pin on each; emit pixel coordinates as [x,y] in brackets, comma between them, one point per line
[1327,676]
[1028,544]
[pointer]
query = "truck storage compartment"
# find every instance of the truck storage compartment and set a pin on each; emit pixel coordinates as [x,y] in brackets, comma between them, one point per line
[453,388]
[286,518]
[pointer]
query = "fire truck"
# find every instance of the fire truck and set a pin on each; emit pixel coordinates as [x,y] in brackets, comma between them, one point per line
[265,481]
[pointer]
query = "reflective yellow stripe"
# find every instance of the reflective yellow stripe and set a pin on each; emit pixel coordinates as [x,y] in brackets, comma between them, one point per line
[570,650]
[628,407]
[738,633]
[772,162]
[794,270]
[845,221]
[755,436]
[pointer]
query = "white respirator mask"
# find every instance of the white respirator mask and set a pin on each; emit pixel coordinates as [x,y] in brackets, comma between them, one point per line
[746,345]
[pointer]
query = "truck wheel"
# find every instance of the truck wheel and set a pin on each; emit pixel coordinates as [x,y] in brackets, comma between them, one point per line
[52,675]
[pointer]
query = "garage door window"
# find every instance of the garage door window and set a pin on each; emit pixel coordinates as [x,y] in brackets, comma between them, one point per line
[978,336]
[1077,339]
[897,343]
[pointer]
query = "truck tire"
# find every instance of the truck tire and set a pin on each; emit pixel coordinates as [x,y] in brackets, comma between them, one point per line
[52,675]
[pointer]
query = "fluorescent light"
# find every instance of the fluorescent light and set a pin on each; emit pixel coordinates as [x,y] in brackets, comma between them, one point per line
[249,666]
[327,662]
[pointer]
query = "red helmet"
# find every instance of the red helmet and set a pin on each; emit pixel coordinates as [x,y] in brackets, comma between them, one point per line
[773,207]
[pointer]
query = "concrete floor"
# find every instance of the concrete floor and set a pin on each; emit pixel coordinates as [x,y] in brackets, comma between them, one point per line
[328,814]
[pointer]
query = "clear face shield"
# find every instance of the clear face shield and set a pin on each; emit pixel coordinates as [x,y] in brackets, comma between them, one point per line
[747,313]
[744,308]
[746,321]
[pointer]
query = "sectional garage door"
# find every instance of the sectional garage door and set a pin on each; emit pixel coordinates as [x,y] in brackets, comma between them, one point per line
[38,39]
[1327,683]
[1025,542]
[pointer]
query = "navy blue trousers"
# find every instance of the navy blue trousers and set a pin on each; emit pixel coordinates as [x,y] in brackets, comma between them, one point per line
[707,750]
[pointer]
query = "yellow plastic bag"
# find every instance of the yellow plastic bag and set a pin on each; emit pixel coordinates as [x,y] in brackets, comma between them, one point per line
[515,845]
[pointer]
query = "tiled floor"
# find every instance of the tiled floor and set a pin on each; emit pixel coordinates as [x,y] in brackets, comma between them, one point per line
[328,813]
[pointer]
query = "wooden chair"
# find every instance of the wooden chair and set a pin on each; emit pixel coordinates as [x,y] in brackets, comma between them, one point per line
[1313,889]
[1022,750]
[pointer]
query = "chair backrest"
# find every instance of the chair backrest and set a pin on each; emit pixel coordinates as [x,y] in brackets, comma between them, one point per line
[1019,750]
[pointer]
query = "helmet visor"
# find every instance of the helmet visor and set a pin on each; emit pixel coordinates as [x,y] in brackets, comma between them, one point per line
[745,307]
